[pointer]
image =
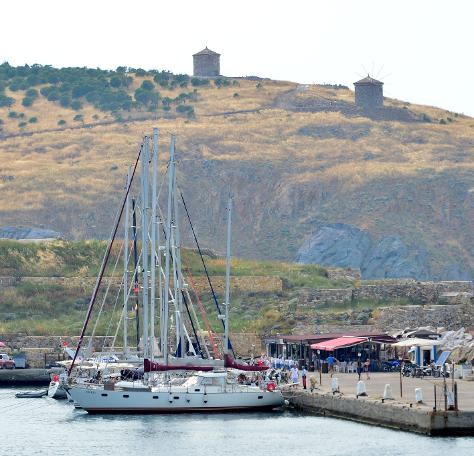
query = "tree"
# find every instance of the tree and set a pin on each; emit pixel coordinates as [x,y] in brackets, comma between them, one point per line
[65,101]
[32,93]
[27,101]
[116,81]
[76,105]
[148,85]
[6,101]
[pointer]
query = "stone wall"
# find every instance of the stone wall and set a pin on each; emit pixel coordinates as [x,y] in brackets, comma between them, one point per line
[408,291]
[451,317]
[251,284]
[8,281]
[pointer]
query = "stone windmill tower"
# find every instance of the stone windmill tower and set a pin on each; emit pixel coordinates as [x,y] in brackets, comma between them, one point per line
[369,93]
[206,63]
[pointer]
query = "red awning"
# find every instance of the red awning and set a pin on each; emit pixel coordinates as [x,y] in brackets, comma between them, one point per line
[340,342]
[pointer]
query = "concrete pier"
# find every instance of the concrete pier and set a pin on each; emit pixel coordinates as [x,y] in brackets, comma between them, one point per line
[400,413]
[25,377]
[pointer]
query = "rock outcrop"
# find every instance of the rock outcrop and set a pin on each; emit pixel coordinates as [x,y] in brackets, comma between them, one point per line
[344,245]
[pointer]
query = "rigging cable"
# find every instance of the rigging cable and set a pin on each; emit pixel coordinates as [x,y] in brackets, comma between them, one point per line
[104,262]
[204,264]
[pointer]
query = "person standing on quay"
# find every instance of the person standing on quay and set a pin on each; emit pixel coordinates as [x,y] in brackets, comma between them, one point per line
[331,360]
[359,367]
[294,374]
[367,367]
[304,372]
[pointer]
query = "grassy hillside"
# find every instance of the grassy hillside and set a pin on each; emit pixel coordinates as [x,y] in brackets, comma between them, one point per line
[295,157]
[59,307]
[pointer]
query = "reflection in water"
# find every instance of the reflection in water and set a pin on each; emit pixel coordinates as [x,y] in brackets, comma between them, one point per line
[48,427]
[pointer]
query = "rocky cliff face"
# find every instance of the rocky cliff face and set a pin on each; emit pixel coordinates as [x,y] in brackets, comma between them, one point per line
[347,246]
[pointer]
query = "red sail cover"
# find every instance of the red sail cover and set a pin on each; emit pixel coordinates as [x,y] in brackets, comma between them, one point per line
[151,366]
[232,363]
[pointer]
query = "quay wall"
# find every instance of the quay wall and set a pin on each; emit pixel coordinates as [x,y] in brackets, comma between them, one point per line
[387,414]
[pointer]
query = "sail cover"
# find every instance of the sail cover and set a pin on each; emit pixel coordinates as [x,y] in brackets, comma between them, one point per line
[232,363]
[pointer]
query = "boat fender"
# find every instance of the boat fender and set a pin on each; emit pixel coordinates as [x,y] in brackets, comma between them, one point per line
[55,378]
[271,386]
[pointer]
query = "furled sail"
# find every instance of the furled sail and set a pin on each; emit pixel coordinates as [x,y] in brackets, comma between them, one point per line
[232,363]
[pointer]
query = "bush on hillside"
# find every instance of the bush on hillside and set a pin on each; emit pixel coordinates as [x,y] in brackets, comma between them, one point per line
[6,102]
[197,82]
[148,85]
[65,101]
[76,105]
[32,93]
[33,119]
[27,101]
[61,122]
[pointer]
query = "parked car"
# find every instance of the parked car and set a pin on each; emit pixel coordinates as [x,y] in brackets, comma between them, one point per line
[6,362]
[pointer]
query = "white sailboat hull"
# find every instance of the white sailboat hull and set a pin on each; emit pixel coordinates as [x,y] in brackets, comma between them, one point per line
[164,400]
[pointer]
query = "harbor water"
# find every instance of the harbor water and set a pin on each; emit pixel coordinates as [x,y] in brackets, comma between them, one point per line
[48,427]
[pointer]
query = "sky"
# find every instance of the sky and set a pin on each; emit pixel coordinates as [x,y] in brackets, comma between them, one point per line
[422,50]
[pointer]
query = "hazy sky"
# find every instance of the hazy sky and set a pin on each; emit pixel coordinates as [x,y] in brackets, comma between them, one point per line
[422,49]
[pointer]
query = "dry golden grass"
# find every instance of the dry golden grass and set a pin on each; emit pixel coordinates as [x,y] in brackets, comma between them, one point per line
[81,165]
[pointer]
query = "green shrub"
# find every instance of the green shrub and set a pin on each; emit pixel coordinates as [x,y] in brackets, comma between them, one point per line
[197,82]
[236,95]
[78,118]
[32,93]
[27,101]
[442,122]
[65,101]
[33,119]
[22,124]
[185,109]
[148,85]
[61,122]
[163,78]
[76,105]
[140,72]
[13,114]
[426,118]
[116,81]
[6,102]
[221,82]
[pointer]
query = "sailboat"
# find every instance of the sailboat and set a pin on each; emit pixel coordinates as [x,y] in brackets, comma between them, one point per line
[172,382]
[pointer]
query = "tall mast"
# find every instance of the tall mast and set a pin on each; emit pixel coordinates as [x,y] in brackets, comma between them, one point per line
[181,340]
[125,270]
[153,243]
[145,244]
[167,252]
[135,268]
[227,276]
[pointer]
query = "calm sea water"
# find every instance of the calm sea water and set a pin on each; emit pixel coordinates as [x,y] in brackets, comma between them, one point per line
[49,427]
